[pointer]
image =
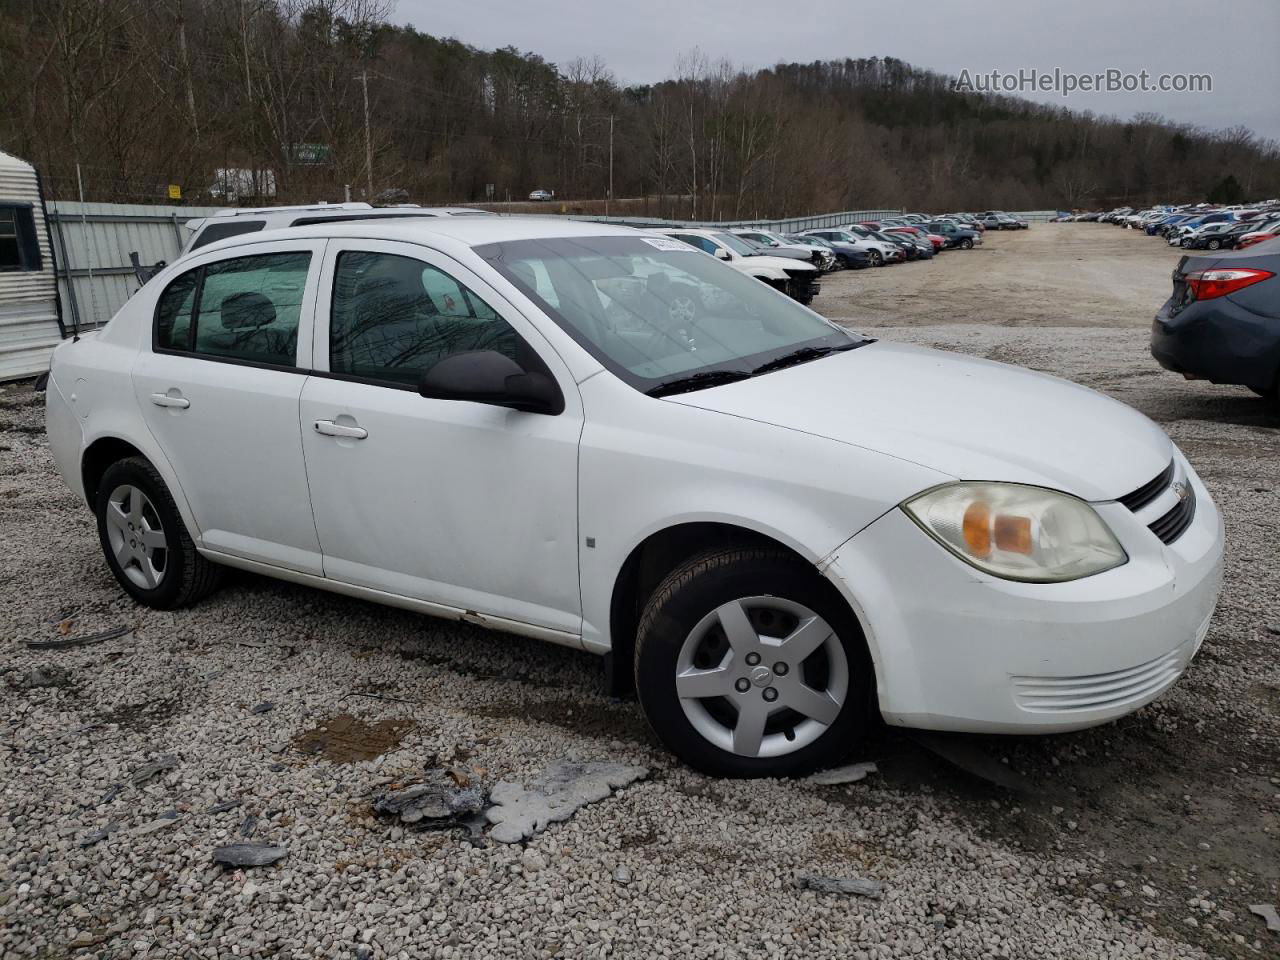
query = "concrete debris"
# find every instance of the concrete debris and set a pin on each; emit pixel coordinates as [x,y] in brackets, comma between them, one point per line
[154,825]
[557,794]
[850,773]
[855,886]
[88,840]
[149,770]
[63,643]
[1267,911]
[438,804]
[249,854]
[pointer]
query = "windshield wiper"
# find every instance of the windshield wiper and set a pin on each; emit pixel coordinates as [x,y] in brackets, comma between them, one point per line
[696,381]
[803,355]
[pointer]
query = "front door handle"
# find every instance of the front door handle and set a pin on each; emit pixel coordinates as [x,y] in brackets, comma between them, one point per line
[165,400]
[331,429]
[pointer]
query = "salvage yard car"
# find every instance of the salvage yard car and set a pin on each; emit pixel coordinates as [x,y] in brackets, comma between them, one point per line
[775,528]
[1222,322]
[798,279]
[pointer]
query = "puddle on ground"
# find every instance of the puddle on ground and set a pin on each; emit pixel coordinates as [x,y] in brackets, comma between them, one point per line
[348,739]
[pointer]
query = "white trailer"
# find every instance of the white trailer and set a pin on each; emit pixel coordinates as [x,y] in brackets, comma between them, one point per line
[30,315]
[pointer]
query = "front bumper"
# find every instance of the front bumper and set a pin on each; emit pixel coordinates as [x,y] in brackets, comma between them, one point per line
[802,289]
[958,649]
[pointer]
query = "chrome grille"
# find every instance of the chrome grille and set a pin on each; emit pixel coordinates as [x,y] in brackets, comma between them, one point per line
[1148,491]
[1174,523]
[1171,524]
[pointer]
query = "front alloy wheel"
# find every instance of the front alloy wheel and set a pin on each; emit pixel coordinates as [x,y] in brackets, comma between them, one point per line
[875,258]
[749,664]
[762,676]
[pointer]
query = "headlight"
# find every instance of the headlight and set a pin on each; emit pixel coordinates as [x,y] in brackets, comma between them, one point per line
[1018,532]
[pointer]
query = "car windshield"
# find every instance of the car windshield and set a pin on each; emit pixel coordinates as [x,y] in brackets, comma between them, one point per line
[736,244]
[654,310]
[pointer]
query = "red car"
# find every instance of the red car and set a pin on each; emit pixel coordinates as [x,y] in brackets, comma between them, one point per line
[936,240]
[1265,232]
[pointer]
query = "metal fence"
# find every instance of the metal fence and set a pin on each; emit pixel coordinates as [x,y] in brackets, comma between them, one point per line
[791,225]
[92,243]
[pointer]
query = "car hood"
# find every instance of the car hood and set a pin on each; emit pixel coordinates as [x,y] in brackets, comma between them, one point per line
[973,419]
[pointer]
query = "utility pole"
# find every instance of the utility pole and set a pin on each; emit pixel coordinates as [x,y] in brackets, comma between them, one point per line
[609,195]
[368,142]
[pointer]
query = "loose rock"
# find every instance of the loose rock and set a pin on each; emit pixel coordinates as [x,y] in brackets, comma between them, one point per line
[855,886]
[249,854]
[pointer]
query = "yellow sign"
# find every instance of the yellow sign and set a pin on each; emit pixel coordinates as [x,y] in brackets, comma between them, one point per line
[175,192]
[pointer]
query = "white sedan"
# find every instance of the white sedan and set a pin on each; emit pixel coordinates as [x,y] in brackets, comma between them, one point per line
[777,530]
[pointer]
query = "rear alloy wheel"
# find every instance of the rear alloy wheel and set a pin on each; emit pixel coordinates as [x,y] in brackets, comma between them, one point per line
[748,664]
[145,541]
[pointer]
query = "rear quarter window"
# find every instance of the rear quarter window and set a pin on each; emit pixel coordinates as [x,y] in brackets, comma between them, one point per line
[220,231]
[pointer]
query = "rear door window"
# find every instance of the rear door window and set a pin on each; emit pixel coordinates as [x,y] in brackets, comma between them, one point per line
[245,308]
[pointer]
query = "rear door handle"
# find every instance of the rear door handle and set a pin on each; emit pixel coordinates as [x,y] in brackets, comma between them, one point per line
[165,400]
[331,429]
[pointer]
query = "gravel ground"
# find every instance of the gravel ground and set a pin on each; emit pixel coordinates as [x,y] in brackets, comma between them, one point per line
[1145,838]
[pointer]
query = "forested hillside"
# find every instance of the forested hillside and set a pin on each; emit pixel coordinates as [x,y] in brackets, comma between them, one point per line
[173,91]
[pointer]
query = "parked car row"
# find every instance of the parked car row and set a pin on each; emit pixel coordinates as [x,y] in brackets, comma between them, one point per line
[1197,226]
[793,262]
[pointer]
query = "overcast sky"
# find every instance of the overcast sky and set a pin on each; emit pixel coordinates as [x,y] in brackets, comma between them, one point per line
[1234,41]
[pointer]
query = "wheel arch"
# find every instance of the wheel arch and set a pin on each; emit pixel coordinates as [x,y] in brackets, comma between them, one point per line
[110,446]
[657,555]
[98,456]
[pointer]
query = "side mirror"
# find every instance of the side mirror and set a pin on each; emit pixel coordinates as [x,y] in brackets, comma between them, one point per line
[723,254]
[486,376]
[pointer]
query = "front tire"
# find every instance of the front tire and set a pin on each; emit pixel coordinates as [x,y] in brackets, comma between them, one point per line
[967,243]
[145,541]
[875,258]
[749,664]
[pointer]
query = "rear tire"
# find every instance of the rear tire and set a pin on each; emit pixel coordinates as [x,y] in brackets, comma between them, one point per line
[715,679]
[146,544]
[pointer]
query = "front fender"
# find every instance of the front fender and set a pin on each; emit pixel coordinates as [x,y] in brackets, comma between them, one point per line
[646,465]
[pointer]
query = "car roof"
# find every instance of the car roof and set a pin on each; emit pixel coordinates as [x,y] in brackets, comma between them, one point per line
[460,231]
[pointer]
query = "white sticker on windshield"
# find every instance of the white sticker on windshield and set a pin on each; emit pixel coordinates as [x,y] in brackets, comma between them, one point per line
[666,243]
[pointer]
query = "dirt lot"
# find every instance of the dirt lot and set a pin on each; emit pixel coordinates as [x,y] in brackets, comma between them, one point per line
[1149,837]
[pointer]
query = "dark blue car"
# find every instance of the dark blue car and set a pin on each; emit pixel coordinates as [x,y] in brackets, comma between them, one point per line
[1222,323]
